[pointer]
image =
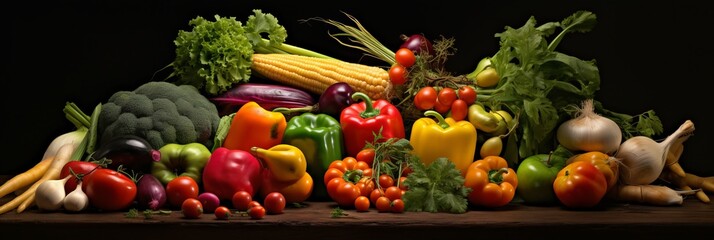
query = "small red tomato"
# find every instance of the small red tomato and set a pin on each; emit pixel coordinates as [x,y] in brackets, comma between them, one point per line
[386,181]
[441,108]
[397,206]
[401,183]
[425,98]
[253,204]
[398,74]
[375,194]
[366,155]
[459,110]
[257,212]
[77,167]
[274,203]
[241,200]
[393,192]
[405,57]
[362,204]
[222,212]
[446,96]
[468,94]
[192,208]
[383,204]
[180,189]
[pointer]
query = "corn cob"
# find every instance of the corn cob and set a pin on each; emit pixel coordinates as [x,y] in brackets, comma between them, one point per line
[316,74]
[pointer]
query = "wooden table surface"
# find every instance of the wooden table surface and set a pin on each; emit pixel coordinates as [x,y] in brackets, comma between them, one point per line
[314,221]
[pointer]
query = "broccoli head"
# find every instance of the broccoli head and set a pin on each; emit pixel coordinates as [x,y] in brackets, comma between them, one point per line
[161,113]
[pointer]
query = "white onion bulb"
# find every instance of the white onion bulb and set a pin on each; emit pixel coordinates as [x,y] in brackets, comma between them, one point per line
[589,132]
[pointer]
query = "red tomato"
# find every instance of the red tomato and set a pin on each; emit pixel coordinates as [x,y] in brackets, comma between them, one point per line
[366,155]
[241,200]
[343,192]
[109,190]
[252,204]
[375,194]
[274,203]
[393,192]
[447,96]
[397,206]
[398,74]
[441,108]
[405,57]
[425,98]
[257,212]
[468,94]
[580,185]
[180,189]
[459,110]
[78,168]
[365,186]
[386,181]
[362,204]
[192,208]
[401,183]
[383,204]
[222,212]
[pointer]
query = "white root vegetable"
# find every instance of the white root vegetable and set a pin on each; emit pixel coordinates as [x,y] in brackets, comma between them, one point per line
[77,200]
[50,194]
[589,131]
[649,194]
[643,158]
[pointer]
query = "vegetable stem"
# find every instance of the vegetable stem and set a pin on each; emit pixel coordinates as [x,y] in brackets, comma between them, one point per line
[290,49]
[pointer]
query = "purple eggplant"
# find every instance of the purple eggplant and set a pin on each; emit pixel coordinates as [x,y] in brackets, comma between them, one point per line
[336,97]
[130,152]
[268,96]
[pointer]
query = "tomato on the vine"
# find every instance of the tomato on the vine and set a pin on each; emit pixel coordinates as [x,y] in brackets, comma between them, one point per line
[366,155]
[441,108]
[109,190]
[405,57]
[385,181]
[383,204]
[180,189]
[468,94]
[78,168]
[192,208]
[375,194]
[446,96]
[393,192]
[398,74]
[459,110]
[425,98]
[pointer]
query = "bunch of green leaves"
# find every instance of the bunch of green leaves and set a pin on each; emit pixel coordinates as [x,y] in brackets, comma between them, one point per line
[217,54]
[391,156]
[437,187]
[541,83]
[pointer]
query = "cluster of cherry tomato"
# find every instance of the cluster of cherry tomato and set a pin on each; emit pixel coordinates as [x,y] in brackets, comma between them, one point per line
[405,58]
[381,192]
[446,100]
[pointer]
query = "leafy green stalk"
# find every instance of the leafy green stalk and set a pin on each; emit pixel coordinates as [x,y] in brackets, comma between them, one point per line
[437,187]
[542,84]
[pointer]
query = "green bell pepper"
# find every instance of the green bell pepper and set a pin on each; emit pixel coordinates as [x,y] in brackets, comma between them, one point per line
[319,137]
[181,160]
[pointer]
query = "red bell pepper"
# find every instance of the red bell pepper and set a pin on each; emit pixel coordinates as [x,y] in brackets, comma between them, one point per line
[361,121]
[229,171]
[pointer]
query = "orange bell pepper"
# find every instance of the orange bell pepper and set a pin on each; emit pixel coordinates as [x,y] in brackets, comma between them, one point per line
[493,182]
[254,126]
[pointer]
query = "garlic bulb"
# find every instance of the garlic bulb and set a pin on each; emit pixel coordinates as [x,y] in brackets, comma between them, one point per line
[589,132]
[643,158]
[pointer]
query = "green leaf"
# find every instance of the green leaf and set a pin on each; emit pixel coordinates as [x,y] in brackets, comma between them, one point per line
[260,23]
[438,187]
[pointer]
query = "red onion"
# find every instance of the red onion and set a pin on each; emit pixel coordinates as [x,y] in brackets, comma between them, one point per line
[417,43]
[150,194]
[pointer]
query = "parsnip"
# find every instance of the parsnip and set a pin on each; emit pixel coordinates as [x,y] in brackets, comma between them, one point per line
[649,194]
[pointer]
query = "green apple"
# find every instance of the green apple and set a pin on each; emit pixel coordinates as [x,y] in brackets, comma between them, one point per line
[536,175]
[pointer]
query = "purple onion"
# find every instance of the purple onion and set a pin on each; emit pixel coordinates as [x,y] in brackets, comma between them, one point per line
[417,43]
[150,193]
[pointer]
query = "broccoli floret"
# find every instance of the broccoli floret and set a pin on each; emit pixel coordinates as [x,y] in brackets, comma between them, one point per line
[161,113]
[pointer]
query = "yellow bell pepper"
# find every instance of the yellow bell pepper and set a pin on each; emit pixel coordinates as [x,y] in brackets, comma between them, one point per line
[446,138]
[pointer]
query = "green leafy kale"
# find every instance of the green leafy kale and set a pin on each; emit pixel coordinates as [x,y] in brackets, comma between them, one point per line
[438,187]
[540,84]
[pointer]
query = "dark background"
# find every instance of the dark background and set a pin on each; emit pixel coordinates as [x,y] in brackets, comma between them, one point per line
[651,55]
